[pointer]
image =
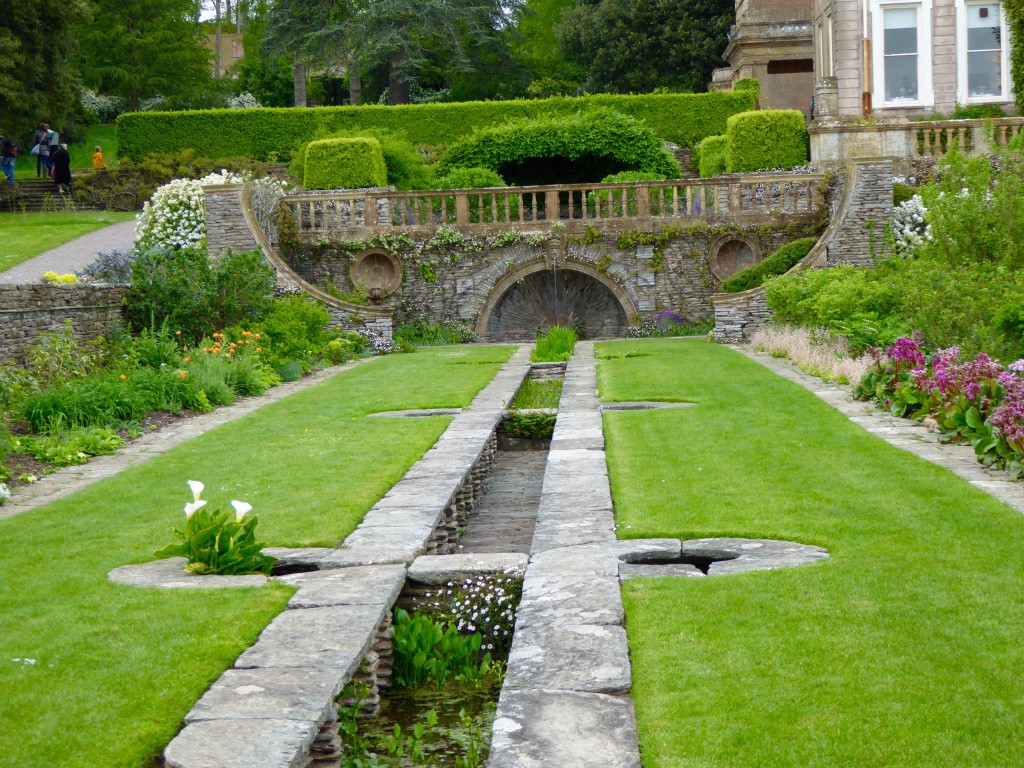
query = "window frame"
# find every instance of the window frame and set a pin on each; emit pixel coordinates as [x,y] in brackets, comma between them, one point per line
[962,92]
[925,87]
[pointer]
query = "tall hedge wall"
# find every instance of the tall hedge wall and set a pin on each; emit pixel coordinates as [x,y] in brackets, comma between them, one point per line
[345,164]
[712,156]
[770,138]
[684,118]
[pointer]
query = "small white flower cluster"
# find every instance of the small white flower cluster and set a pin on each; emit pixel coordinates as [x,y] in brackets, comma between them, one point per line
[175,216]
[243,101]
[909,227]
[486,604]
[5,493]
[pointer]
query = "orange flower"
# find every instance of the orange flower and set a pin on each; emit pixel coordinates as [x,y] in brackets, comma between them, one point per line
[186,360]
[233,345]
[259,349]
[183,374]
[123,377]
[257,335]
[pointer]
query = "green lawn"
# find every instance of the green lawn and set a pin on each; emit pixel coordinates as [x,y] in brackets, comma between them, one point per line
[902,650]
[116,668]
[28,234]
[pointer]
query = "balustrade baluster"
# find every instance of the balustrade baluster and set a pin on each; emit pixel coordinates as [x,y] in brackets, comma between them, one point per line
[551,205]
[927,134]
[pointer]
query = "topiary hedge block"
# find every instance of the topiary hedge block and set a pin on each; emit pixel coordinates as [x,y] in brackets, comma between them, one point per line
[345,164]
[712,156]
[779,263]
[766,139]
[684,118]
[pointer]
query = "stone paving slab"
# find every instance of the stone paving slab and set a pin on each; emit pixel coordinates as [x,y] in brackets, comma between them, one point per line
[580,599]
[374,586]
[306,695]
[753,554]
[169,573]
[436,570]
[589,658]
[546,728]
[65,482]
[902,433]
[332,639]
[278,743]
[629,571]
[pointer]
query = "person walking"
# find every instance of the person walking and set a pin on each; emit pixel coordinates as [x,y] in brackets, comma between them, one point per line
[98,163]
[61,160]
[54,145]
[41,149]
[9,151]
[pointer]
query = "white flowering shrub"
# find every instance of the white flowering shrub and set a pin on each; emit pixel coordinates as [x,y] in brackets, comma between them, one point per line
[5,493]
[485,604]
[909,227]
[175,216]
[106,108]
[153,104]
[376,343]
[243,101]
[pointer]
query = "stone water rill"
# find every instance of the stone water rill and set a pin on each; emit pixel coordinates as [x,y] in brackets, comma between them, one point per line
[565,701]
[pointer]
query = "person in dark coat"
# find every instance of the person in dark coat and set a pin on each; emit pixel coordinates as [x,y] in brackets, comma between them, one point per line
[41,145]
[62,168]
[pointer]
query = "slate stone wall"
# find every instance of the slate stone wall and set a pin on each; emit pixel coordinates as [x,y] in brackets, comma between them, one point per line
[31,309]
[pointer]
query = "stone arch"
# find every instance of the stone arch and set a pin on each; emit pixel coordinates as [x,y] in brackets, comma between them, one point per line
[618,301]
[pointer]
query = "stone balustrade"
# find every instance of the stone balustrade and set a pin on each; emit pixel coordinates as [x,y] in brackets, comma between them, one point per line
[737,198]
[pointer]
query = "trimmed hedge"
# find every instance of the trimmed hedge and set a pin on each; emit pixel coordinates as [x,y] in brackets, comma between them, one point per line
[469,178]
[767,139]
[712,156]
[684,118]
[749,84]
[345,164]
[780,262]
[626,177]
[596,133]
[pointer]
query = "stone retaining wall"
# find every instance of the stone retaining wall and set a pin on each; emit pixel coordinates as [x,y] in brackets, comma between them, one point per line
[28,310]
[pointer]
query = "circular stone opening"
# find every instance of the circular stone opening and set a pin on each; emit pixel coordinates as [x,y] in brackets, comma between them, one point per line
[378,272]
[716,557]
[557,297]
[732,254]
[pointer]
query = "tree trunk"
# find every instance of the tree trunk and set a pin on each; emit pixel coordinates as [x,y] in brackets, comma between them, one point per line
[355,83]
[216,8]
[299,79]
[398,82]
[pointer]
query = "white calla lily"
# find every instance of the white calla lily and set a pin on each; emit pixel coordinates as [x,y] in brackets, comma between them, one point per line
[190,509]
[241,508]
[196,487]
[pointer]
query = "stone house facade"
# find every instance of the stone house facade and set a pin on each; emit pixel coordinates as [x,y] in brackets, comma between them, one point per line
[875,58]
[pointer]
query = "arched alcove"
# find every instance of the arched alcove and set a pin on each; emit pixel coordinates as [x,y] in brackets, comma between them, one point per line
[535,297]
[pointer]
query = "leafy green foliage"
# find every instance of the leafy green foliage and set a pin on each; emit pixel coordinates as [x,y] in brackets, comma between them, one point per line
[766,139]
[751,84]
[406,168]
[70,447]
[527,151]
[555,345]
[138,49]
[778,263]
[428,653]
[637,46]
[901,193]
[625,177]
[712,152]
[295,329]
[344,164]
[219,542]
[422,332]
[263,133]
[181,289]
[531,426]
[469,178]
[538,394]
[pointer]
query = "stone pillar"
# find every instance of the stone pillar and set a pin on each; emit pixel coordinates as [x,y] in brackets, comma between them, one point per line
[226,228]
[826,99]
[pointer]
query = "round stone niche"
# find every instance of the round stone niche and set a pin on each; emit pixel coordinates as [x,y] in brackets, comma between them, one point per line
[379,272]
[732,253]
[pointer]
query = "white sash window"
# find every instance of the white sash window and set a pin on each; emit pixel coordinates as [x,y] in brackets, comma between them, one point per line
[902,53]
[982,53]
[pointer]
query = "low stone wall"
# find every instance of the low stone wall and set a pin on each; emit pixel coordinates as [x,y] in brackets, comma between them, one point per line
[738,315]
[28,310]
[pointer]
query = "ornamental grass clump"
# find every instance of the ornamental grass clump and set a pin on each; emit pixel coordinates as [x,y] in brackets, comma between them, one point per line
[813,350]
[555,345]
[218,542]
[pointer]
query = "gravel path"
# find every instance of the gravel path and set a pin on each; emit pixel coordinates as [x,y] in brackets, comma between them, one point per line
[73,256]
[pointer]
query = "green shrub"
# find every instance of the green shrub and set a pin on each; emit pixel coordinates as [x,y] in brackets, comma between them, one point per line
[406,168]
[780,262]
[345,164]
[294,330]
[555,345]
[901,193]
[626,177]
[977,111]
[179,291]
[274,133]
[712,156]
[582,147]
[338,351]
[748,85]
[766,139]
[469,178]
[71,447]
[424,333]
